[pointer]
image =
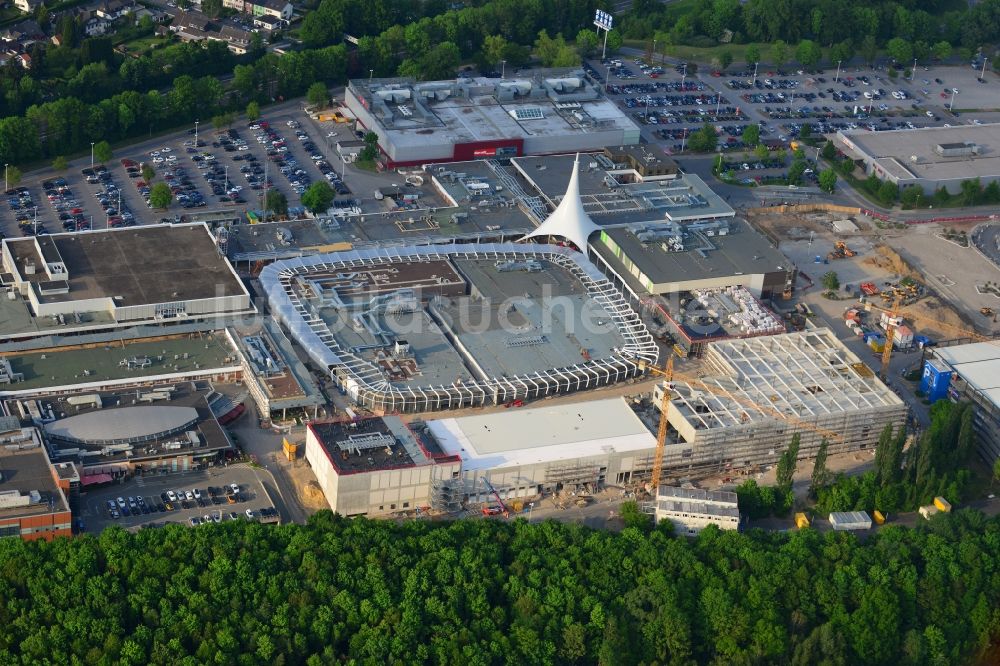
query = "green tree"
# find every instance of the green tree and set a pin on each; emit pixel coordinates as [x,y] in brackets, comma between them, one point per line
[752,54]
[370,151]
[808,53]
[725,59]
[829,151]
[318,197]
[160,196]
[785,470]
[899,50]
[830,281]
[275,202]
[828,180]
[888,456]
[495,49]
[888,192]
[841,52]
[586,42]
[102,152]
[633,517]
[703,140]
[779,52]
[12,175]
[869,49]
[148,172]
[805,132]
[941,50]
[223,120]
[912,197]
[317,95]
[253,111]
[820,474]
[751,135]
[796,171]
[971,191]
[60,163]
[996,470]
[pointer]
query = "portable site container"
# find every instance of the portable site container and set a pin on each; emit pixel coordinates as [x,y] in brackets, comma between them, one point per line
[850,520]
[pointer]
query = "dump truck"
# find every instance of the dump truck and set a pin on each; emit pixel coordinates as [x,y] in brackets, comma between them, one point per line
[942,504]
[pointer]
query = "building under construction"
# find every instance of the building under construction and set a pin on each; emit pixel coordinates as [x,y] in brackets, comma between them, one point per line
[758,392]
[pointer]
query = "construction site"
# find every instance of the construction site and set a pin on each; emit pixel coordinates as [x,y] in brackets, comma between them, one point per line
[438,327]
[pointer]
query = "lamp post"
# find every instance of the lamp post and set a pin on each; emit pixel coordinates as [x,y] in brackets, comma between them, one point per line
[913,72]
[951,106]
[652,57]
[754,83]
[196,134]
[5,188]
[837,77]
[227,179]
[503,68]
[684,76]
[36,220]
[371,73]
[91,155]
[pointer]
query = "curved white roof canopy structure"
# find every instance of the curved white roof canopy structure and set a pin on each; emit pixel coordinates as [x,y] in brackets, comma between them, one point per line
[569,220]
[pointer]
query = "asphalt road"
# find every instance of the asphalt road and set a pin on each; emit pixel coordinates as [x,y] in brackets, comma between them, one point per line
[987,238]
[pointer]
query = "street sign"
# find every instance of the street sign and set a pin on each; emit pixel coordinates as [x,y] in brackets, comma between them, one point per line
[603,20]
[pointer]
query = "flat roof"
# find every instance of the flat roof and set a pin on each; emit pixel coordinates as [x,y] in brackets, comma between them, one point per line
[141,265]
[978,364]
[369,445]
[516,437]
[28,469]
[743,251]
[136,423]
[683,198]
[893,150]
[469,110]
[188,394]
[802,375]
[88,362]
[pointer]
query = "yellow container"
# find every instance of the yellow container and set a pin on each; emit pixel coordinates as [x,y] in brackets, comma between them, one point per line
[801,521]
[942,504]
[879,518]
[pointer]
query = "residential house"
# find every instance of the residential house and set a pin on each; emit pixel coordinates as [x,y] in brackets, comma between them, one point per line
[112,10]
[237,5]
[278,8]
[25,33]
[269,23]
[237,39]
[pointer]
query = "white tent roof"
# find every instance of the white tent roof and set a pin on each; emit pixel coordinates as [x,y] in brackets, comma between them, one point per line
[569,220]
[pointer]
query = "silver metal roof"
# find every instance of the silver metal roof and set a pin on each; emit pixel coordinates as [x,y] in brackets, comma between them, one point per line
[129,424]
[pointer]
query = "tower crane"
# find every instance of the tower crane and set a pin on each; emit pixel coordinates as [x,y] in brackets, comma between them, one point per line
[669,375]
[890,330]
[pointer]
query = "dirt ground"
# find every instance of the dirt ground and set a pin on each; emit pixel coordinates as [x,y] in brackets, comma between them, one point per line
[883,255]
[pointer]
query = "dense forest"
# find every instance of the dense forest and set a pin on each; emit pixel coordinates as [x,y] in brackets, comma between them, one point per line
[84,90]
[490,592]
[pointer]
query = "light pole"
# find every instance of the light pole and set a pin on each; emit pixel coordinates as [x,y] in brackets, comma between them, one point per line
[503,68]
[755,74]
[837,77]
[951,106]
[652,57]
[982,75]
[5,188]
[196,134]
[91,155]
[913,72]
[36,220]
[227,179]
[684,76]
[371,73]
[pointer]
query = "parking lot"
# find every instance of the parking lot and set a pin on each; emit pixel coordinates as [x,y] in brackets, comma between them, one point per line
[191,498]
[669,104]
[226,169]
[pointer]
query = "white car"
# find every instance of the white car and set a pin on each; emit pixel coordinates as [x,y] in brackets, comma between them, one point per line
[249,514]
[165,149]
[157,160]
[172,496]
[154,153]
[243,148]
[121,502]
[235,487]
[189,495]
[197,494]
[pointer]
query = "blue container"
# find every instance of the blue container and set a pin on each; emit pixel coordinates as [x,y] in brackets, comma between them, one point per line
[935,380]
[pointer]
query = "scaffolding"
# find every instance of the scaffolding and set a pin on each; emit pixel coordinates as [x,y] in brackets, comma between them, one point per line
[367,384]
